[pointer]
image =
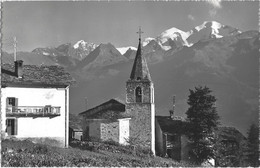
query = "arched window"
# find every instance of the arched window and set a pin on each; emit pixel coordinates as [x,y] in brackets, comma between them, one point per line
[138,94]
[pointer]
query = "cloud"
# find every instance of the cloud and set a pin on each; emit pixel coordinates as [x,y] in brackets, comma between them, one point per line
[191,17]
[215,3]
[213,12]
[214,6]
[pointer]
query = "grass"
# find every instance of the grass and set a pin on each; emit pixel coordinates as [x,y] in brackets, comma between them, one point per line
[24,153]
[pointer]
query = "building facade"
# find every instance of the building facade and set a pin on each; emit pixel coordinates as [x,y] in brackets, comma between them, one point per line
[35,103]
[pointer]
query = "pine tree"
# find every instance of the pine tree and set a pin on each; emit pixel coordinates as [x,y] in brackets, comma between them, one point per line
[253,145]
[203,119]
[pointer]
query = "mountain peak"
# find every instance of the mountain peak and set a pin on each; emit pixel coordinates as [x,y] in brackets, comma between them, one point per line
[85,45]
[172,33]
[123,50]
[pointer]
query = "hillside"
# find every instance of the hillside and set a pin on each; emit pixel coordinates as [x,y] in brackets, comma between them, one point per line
[27,154]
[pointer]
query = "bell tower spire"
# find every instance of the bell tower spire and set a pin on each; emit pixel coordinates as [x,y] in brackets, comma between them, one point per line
[140,69]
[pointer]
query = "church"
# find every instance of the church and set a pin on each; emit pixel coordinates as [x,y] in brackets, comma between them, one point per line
[132,120]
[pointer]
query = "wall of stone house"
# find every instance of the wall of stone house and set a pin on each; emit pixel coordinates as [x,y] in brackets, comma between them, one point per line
[109,131]
[94,129]
[160,142]
[55,128]
[124,131]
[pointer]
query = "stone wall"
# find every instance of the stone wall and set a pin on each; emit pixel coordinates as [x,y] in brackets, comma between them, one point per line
[146,91]
[102,129]
[140,123]
[109,131]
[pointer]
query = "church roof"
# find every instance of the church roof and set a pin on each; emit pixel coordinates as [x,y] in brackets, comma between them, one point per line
[140,69]
[112,109]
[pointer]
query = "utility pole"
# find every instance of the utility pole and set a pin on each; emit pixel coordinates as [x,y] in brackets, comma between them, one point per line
[15,46]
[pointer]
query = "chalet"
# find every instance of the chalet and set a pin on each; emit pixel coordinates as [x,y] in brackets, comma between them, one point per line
[35,103]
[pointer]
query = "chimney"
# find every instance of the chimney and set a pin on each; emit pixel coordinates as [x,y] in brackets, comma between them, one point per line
[19,68]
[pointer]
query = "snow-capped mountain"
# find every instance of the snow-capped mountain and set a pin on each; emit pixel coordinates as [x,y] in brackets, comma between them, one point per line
[83,45]
[208,30]
[103,55]
[77,51]
[123,50]
[174,38]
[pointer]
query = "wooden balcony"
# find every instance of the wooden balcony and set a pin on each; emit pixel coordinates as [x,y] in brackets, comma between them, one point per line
[32,111]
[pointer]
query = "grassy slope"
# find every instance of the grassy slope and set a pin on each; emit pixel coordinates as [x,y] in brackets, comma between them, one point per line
[25,153]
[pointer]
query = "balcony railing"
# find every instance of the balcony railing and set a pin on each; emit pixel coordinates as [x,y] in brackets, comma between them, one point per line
[33,111]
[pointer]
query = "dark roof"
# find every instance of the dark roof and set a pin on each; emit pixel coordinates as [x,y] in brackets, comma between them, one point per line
[34,75]
[229,133]
[140,68]
[171,126]
[112,109]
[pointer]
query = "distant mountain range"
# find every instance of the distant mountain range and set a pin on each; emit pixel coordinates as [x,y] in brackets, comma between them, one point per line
[219,56]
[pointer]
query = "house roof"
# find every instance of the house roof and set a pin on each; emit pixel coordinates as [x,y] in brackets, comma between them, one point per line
[171,126]
[34,75]
[112,109]
[229,133]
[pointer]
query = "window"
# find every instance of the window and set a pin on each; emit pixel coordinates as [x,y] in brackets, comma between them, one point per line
[138,94]
[11,104]
[11,101]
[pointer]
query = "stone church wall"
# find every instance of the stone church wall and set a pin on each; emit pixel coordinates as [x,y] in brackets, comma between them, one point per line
[146,92]
[109,131]
[140,123]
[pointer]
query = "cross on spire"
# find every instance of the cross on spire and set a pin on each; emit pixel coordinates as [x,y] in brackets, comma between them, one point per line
[140,32]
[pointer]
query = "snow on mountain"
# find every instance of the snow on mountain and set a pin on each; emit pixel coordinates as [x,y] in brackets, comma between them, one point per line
[147,40]
[210,29]
[172,33]
[174,38]
[84,45]
[123,50]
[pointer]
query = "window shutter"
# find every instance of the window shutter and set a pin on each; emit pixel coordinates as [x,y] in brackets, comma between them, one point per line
[16,102]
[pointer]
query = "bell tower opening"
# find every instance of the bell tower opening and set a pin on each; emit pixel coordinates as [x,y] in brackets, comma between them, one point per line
[138,94]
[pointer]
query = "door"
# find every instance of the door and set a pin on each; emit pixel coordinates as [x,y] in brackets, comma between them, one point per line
[11,126]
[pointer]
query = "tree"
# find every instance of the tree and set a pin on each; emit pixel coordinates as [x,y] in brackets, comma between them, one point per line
[253,145]
[203,119]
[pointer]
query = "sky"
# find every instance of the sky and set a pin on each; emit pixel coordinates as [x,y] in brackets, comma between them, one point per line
[50,24]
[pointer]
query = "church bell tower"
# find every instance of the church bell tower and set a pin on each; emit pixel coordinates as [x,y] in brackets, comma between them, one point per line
[140,101]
